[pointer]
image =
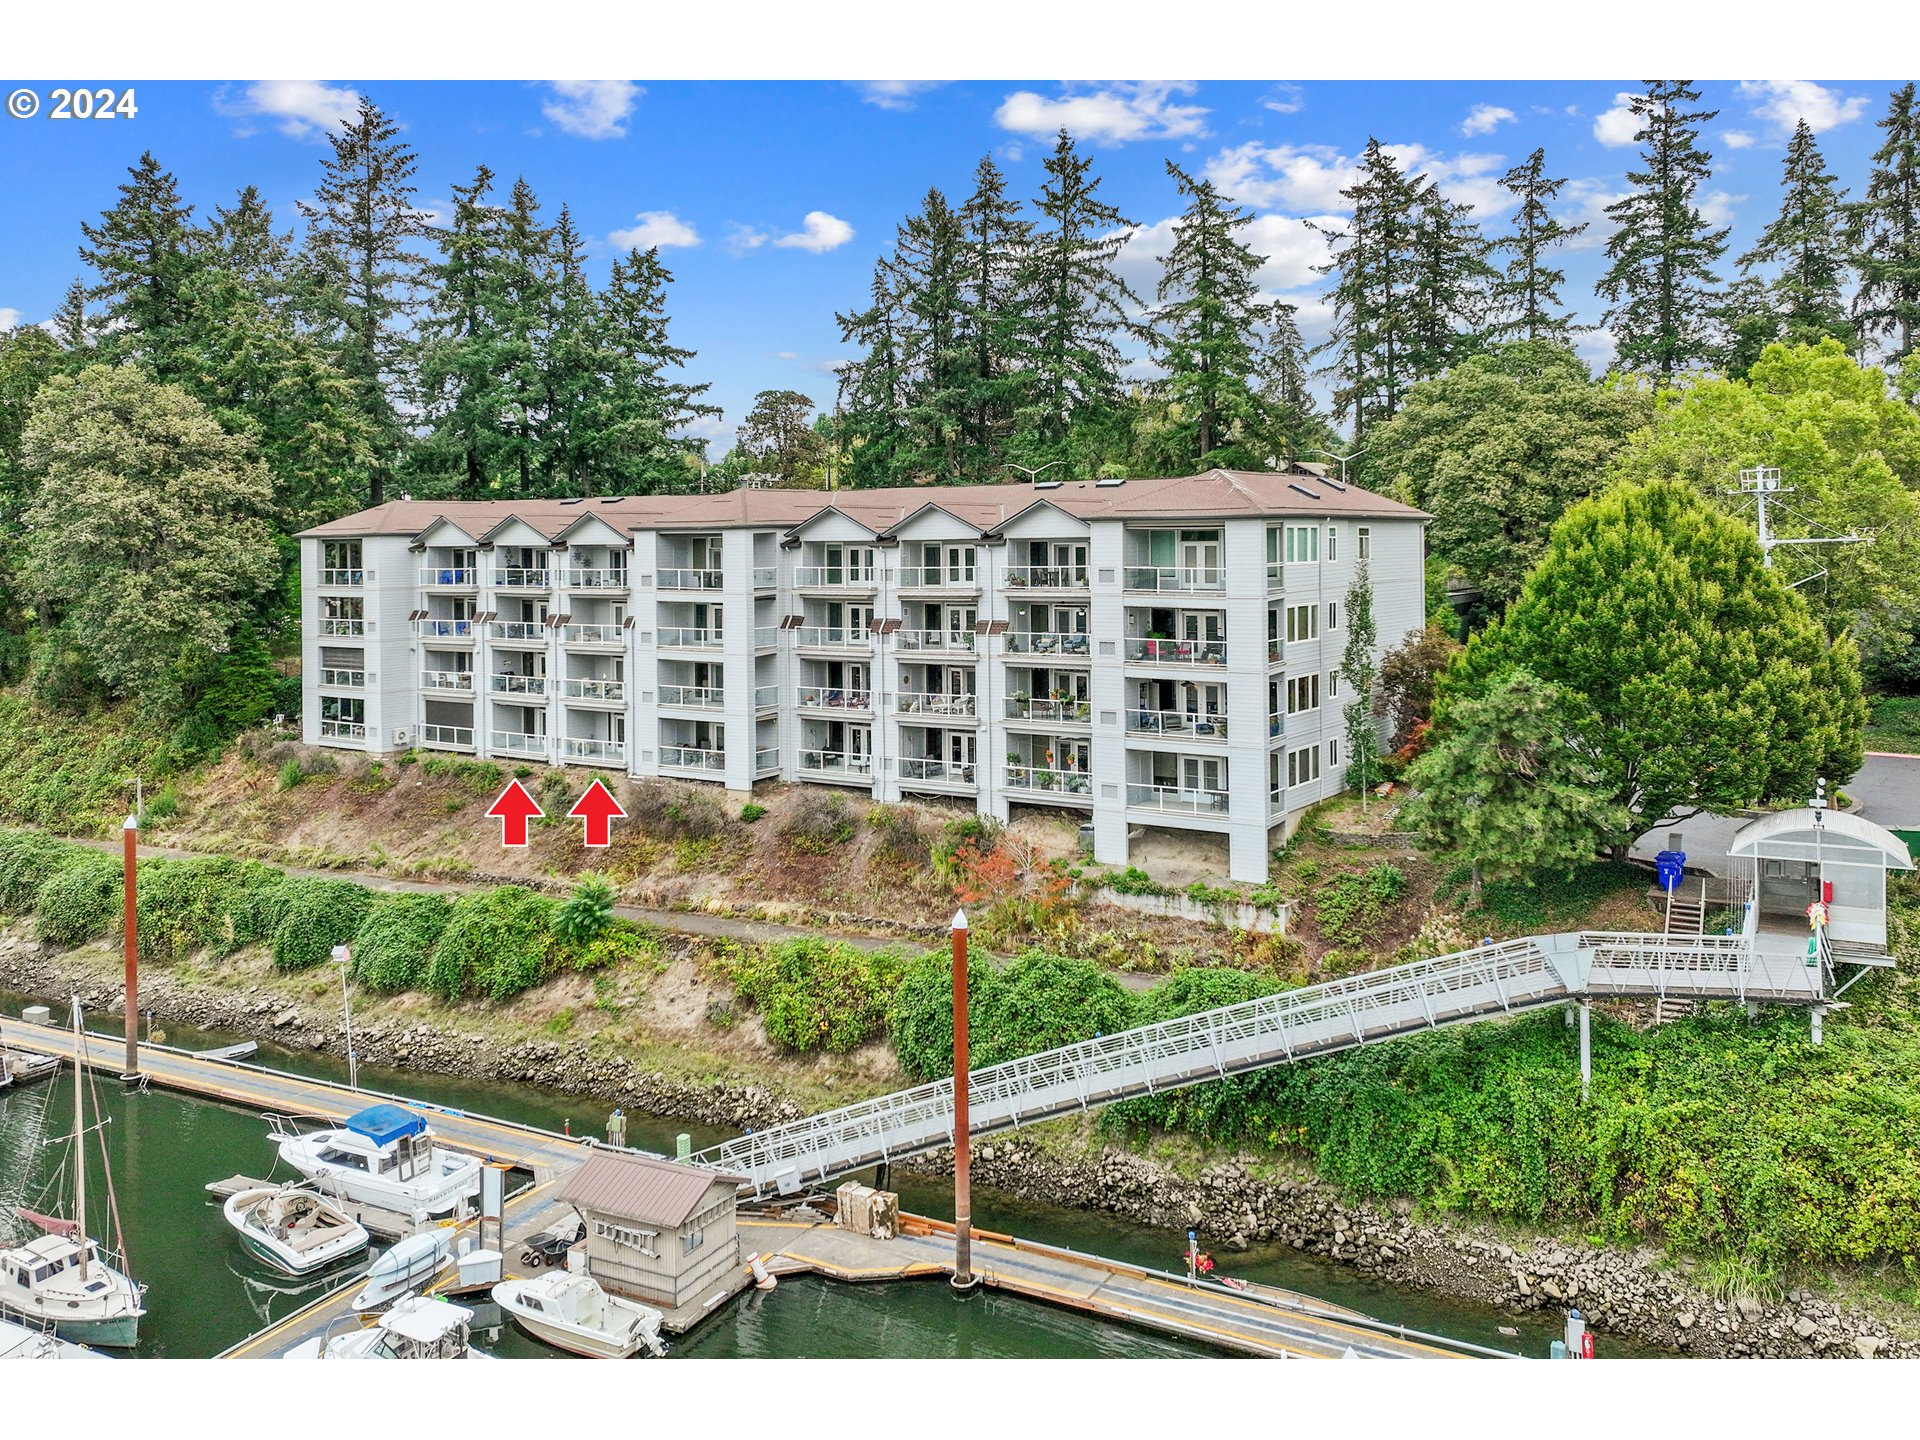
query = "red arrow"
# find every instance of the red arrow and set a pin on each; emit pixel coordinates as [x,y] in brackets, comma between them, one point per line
[599,809]
[515,807]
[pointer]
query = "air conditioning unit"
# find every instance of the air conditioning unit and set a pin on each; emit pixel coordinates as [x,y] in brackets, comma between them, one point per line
[401,736]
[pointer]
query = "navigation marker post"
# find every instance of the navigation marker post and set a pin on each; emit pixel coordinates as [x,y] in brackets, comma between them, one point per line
[963,1277]
[130,910]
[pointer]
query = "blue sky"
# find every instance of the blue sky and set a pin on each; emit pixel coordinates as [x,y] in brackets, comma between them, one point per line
[772,199]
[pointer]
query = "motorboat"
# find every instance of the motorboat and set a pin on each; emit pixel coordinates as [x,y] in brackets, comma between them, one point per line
[571,1312]
[39,1342]
[22,1067]
[293,1229]
[406,1267]
[418,1327]
[385,1156]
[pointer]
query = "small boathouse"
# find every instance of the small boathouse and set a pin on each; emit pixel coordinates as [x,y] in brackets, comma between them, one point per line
[656,1231]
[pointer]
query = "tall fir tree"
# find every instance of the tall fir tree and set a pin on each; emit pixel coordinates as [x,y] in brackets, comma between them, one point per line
[142,251]
[362,232]
[73,324]
[994,321]
[1448,286]
[521,308]
[1526,298]
[1371,259]
[643,405]
[870,430]
[1883,233]
[1661,281]
[1290,420]
[1360,668]
[570,361]
[926,277]
[1807,248]
[459,364]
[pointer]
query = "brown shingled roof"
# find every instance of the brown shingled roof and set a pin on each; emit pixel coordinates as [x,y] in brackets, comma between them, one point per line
[638,1187]
[1216,494]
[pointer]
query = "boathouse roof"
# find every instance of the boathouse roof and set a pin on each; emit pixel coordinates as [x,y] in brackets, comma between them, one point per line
[631,1186]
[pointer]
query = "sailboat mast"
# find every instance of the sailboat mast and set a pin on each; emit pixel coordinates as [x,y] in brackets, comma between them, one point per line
[80,1147]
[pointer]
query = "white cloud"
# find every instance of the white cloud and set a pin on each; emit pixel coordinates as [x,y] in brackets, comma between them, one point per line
[1735,139]
[660,228]
[894,94]
[1588,200]
[1286,98]
[819,233]
[1717,208]
[1783,103]
[9,317]
[1117,113]
[786,355]
[739,238]
[1292,247]
[304,109]
[1310,177]
[1485,119]
[591,109]
[1597,347]
[1616,127]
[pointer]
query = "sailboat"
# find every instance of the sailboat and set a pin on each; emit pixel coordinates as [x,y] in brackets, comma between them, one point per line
[59,1278]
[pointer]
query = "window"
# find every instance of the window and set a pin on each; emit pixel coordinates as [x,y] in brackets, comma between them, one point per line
[692,1240]
[1303,544]
[1333,683]
[1333,615]
[1303,694]
[1303,766]
[1303,623]
[1333,754]
[1363,538]
[1333,543]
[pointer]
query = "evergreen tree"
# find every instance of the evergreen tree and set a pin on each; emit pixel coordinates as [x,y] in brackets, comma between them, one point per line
[1883,233]
[1807,246]
[926,274]
[362,226]
[1661,281]
[72,326]
[1206,332]
[142,250]
[1372,258]
[631,436]
[520,306]
[872,388]
[1290,421]
[1526,298]
[460,369]
[1361,671]
[993,320]
[571,362]
[1447,289]
[778,438]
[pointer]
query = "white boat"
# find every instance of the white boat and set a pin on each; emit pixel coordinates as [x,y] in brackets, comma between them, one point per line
[384,1156]
[573,1313]
[38,1342]
[418,1327]
[60,1278]
[294,1230]
[405,1268]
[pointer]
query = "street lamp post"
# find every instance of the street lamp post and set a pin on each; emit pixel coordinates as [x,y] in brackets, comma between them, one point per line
[343,956]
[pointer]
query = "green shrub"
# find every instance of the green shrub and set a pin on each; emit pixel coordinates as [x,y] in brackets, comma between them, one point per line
[1219,1106]
[621,942]
[481,777]
[1043,1001]
[203,903]
[291,775]
[751,812]
[79,899]
[981,831]
[900,842]
[818,823]
[70,769]
[585,912]
[671,811]
[815,994]
[1134,881]
[314,916]
[27,858]
[165,805]
[496,944]
[395,940]
[1350,905]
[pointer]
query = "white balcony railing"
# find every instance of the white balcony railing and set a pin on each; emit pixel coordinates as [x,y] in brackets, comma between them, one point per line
[342,625]
[447,680]
[920,702]
[592,634]
[517,629]
[834,762]
[766,637]
[457,577]
[1046,577]
[515,742]
[447,737]
[591,688]
[1176,652]
[951,641]
[574,747]
[1066,711]
[766,761]
[833,577]
[1176,722]
[840,637]
[597,579]
[1175,800]
[689,637]
[835,697]
[344,679]
[522,577]
[932,767]
[698,697]
[692,757]
[937,577]
[1068,644]
[1049,780]
[1175,577]
[343,577]
[692,579]
[765,577]
[443,629]
[518,684]
[766,697]
[342,730]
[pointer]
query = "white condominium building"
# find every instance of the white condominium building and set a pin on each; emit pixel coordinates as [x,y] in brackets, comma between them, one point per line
[1146,652]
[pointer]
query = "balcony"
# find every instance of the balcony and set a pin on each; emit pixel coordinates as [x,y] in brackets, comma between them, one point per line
[936,577]
[342,730]
[519,632]
[1172,800]
[1036,778]
[952,642]
[513,742]
[935,706]
[688,637]
[833,637]
[443,629]
[344,679]
[815,763]
[766,697]
[1185,724]
[833,577]
[1176,652]
[833,697]
[593,634]
[1179,579]
[447,737]
[518,684]
[352,577]
[766,637]
[1046,577]
[692,579]
[608,691]
[690,757]
[449,577]
[447,680]
[341,625]
[597,579]
[1067,644]
[598,752]
[522,577]
[930,769]
[765,577]
[767,761]
[693,697]
[1068,712]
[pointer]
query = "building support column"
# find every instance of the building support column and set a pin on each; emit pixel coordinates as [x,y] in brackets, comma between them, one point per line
[1586,1049]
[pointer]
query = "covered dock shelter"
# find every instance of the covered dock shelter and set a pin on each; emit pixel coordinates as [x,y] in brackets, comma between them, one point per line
[1799,857]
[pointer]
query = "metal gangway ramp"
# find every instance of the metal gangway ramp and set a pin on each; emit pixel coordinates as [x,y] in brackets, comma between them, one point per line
[1491,980]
